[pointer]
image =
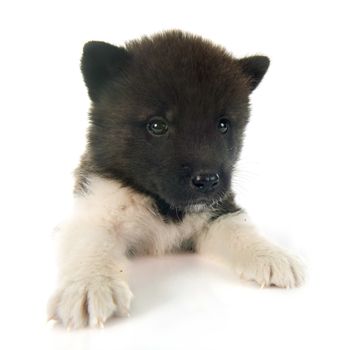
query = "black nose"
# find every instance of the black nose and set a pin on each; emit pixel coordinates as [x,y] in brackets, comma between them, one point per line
[205,182]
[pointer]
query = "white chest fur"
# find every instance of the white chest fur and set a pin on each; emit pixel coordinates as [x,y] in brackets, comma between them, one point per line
[132,219]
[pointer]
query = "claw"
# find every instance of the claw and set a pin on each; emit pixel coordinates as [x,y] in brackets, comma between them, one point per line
[100,324]
[97,323]
[262,286]
[51,318]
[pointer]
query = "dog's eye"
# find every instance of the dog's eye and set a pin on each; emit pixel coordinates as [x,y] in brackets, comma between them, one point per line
[157,127]
[223,125]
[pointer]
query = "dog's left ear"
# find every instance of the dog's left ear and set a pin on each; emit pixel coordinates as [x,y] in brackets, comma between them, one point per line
[254,67]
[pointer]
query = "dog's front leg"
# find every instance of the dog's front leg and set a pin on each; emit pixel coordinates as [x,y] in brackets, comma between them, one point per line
[235,240]
[92,283]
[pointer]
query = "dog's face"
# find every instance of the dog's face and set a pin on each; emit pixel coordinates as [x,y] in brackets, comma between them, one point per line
[168,114]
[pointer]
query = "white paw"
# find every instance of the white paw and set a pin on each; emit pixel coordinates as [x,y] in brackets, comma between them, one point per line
[273,267]
[90,302]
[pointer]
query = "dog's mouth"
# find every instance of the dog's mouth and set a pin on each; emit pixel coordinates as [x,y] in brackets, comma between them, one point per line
[198,204]
[197,207]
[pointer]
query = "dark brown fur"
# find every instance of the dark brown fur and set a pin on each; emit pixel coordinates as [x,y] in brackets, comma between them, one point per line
[189,82]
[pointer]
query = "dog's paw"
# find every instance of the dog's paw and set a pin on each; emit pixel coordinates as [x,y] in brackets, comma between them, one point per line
[273,267]
[89,302]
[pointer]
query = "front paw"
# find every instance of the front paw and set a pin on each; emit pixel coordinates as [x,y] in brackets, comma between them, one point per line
[273,267]
[89,302]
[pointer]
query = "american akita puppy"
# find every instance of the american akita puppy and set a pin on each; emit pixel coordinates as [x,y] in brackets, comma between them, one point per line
[167,120]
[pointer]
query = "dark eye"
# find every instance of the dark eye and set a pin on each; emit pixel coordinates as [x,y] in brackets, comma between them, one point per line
[157,127]
[223,125]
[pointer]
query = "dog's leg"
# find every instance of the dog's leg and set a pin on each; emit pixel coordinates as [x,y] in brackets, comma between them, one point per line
[235,240]
[92,283]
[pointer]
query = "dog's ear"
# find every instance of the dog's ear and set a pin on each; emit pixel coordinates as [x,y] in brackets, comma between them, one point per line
[254,67]
[100,63]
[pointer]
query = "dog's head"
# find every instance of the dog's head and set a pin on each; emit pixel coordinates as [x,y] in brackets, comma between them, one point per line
[168,114]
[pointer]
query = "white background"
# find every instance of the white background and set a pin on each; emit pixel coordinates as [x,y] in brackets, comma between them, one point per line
[293,178]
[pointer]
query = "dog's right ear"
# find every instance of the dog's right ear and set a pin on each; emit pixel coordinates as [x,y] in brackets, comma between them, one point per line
[100,63]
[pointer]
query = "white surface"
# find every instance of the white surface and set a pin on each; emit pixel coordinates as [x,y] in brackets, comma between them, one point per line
[293,178]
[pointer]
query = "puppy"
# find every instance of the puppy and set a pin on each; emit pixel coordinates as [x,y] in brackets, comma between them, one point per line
[166,127]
